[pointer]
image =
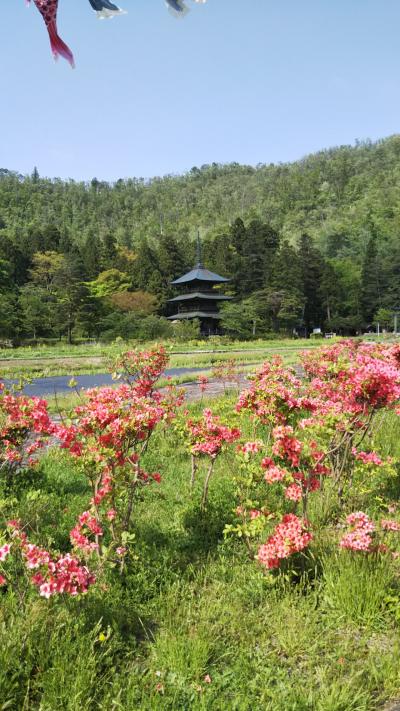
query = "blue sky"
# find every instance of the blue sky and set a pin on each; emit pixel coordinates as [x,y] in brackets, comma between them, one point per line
[252,81]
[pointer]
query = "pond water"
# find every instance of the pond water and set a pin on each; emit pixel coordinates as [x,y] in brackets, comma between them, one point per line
[58,384]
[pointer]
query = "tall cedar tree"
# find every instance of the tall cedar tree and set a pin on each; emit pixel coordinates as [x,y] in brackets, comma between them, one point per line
[91,256]
[255,246]
[370,297]
[146,273]
[286,274]
[172,263]
[391,272]
[311,269]
[220,255]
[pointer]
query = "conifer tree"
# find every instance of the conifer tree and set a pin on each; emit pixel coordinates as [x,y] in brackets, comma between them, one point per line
[370,297]
[311,270]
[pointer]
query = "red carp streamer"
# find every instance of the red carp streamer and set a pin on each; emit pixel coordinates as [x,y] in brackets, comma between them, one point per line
[48,10]
[103,8]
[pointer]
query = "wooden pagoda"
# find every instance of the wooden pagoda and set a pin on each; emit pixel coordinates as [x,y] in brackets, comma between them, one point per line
[199,299]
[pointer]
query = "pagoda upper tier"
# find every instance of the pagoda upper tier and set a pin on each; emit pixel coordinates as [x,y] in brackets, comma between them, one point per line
[199,274]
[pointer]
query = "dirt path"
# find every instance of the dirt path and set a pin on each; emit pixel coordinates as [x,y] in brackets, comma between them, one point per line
[214,388]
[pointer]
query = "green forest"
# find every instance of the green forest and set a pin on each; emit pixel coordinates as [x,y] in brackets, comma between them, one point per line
[309,244]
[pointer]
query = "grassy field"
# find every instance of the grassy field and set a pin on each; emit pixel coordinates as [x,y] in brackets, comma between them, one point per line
[79,360]
[195,624]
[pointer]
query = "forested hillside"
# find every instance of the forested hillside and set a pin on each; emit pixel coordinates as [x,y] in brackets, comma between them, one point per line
[311,243]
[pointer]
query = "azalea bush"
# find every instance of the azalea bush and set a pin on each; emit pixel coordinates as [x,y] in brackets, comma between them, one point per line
[312,433]
[207,438]
[25,426]
[107,434]
[227,372]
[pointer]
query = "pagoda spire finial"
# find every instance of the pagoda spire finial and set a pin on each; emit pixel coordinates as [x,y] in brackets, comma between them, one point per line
[198,250]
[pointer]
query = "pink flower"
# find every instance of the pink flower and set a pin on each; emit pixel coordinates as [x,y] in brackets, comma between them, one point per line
[46,590]
[207,679]
[389,525]
[358,540]
[254,513]
[14,524]
[251,447]
[360,520]
[203,382]
[111,514]
[3,581]
[294,492]
[274,474]
[208,436]
[290,536]
[4,552]
[367,457]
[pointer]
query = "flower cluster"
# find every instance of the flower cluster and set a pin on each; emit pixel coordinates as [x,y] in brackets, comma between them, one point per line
[355,377]
[24,426]
[290,536]
[142,369]
[274,395]
[359,537]
[390,525]
[363,533]
[88,524]
[297,466]
[208,436]
[110,422]
[203,382]
[367,457]
[52,576]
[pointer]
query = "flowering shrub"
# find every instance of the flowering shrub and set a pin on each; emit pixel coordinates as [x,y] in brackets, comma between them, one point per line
[288,460]
[290,536]
[275,394]
[359,537]
[50,575]
[108,435]
[207,436]
[24,427]
[227,372]
[353,381]
[141,369]
[364,535]
[203,382]
[355,377]
[312,430]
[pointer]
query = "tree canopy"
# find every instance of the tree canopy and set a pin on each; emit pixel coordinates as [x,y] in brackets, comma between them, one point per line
[308,244]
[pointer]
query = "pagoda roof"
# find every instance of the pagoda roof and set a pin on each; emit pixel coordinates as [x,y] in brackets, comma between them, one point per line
[194,314]
[199,295]
[198,273]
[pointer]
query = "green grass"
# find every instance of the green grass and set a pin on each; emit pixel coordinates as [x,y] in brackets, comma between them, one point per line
[89,359]
[62,349]
[194,605]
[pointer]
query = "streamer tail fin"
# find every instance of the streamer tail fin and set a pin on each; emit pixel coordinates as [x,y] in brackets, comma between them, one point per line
[58,47]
